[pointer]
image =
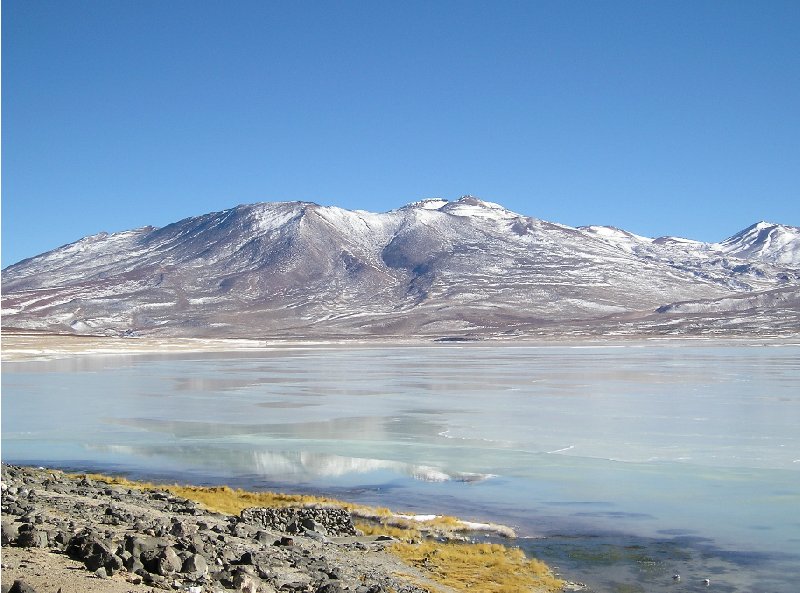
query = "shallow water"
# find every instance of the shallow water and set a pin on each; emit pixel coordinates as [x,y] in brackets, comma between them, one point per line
[621,465]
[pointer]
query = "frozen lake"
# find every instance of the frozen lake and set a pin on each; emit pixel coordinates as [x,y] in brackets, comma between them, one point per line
[620,464]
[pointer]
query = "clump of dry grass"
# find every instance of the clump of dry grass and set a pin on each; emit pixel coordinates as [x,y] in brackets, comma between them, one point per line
[233,501]
[223,499]
[406,534]
[479,568]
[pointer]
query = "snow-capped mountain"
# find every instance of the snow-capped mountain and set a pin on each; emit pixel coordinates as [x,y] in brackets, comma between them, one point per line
[433,268]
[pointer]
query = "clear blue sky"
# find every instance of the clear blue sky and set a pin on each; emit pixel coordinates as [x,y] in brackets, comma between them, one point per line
[661,118]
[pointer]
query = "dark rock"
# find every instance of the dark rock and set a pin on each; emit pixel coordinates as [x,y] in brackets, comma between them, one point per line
[85,544]
[133,565]
[263,537]
[137,544]
[310,525]
[149,559]
[195,544]
[335,572]
[329,588]
[181,529]
[142,572]
[155,579]
[32,538]
[293,527]
[114,564]
[20,586]
[285,541]
[195,566]
[95,561]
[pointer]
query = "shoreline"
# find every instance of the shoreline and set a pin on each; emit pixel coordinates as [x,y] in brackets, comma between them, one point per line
[192,542]
[32,346]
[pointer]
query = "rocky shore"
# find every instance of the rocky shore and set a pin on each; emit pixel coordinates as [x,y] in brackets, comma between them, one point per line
[68,534]
[134,540]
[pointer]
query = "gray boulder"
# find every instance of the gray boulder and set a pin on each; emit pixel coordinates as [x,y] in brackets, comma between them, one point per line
[136,545]
[168,562]
[32,538]
[247,582]
[20,586]
[195,566]
[10,531]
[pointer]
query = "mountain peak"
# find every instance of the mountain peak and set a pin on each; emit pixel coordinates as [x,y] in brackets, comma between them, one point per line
[765,241]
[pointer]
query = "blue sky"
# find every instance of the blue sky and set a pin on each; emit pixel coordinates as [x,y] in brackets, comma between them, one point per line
[658,117]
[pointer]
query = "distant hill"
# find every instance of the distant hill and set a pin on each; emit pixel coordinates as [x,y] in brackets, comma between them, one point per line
[431,269]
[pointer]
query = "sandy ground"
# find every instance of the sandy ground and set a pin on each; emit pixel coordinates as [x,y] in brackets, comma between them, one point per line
[48,573]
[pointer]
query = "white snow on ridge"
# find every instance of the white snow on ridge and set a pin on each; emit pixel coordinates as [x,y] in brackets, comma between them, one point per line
[472,207]
[428,204]
[679,241]
[623,240]
[610,232]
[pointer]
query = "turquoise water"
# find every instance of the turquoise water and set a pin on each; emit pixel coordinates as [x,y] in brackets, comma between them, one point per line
[620,465]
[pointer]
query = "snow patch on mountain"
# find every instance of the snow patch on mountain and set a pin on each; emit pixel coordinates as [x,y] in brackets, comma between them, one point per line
[470,206]
[624,240]
[427,204]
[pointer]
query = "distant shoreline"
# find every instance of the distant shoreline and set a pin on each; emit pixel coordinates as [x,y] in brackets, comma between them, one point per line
[19,346]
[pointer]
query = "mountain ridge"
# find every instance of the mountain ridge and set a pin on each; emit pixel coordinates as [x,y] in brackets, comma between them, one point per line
[430,268]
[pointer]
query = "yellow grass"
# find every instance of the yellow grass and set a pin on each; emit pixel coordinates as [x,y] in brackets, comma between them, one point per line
[479,568]
[224,499]
[405,534]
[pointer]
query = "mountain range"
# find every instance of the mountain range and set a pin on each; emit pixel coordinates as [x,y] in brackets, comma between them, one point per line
[449,270]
